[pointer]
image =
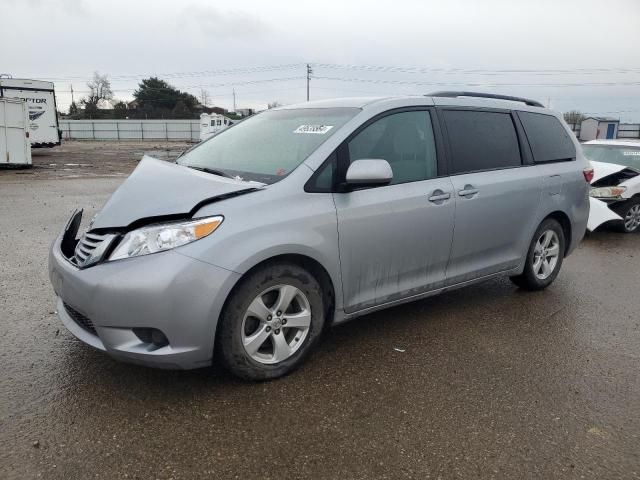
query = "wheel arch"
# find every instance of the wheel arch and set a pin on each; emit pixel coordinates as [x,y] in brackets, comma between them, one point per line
[312,265]
[563,219]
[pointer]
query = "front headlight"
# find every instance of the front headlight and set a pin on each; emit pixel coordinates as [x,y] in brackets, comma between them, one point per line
[607,192]
[157,238]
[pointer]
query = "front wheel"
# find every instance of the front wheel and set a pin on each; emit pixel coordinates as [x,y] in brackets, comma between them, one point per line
[544,257]
[271,322]
[630,213]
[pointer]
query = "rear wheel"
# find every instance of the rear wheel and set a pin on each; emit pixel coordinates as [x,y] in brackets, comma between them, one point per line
[544,257]
[271,322]
[630,213]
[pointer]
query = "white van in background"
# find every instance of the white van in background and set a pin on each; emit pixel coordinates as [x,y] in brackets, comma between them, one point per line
[15,149]
[41,101]
[212,123]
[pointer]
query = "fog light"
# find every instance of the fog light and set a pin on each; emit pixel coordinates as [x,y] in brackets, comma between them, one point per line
[151,335]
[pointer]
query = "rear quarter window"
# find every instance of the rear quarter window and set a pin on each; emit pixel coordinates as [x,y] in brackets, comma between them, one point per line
[549,140]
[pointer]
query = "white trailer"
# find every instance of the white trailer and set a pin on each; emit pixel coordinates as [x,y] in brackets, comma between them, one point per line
[41,101]
[15,149]
[211,124]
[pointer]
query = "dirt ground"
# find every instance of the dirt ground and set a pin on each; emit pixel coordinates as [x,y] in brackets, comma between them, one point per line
[486,382]
[75,159]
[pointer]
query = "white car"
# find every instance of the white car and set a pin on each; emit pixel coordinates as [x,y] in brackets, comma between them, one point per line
[615,187]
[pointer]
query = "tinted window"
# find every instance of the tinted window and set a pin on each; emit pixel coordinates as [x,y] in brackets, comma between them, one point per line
[405,140]
[481,140]
[549,140]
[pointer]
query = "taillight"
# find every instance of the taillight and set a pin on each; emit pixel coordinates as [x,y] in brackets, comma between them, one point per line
[588,174]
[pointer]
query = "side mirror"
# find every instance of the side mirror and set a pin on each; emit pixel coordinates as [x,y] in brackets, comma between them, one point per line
[369,173]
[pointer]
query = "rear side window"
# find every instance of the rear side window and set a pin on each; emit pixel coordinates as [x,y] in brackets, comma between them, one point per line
[481,140]
[549,140]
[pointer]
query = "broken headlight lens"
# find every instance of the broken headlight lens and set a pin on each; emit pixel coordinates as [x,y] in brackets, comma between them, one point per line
[607,192]
[158,238]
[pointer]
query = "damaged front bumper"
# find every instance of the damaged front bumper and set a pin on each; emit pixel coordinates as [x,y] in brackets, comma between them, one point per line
[108,305]
[601,213]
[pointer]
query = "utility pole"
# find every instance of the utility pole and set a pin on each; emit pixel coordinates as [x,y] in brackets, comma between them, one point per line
[309,72]
[234,100]
[72,93]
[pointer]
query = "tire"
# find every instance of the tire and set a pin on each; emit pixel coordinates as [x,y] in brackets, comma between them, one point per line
[630,213]
[535,275]
[251,331]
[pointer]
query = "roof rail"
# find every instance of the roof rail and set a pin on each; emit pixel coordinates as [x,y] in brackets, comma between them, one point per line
[453,94]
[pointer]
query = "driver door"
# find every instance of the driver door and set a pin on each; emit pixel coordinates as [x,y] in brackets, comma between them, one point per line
[395,240]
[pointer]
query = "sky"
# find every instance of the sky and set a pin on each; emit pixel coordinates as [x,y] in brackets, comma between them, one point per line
[569,54]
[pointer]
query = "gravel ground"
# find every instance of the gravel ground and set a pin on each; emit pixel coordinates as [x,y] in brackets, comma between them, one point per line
[483,382]
[76,159]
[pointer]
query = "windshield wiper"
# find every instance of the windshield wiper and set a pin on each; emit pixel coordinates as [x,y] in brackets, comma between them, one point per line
[212,171]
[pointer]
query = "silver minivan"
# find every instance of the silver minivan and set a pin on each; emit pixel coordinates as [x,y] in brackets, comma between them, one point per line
[304,216]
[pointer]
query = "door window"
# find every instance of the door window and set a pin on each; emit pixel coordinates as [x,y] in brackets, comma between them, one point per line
[481,140]
[405,140]
[549,140]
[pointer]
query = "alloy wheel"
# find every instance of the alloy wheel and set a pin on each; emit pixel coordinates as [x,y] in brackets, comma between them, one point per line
[276,324]
[546,254]
[632,218]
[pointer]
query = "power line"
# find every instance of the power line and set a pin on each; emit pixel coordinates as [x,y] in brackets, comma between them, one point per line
[212,85]
[204,73]
[476,84]
[477,71]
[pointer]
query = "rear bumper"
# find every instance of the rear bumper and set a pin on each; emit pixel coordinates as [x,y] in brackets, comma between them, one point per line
[180,296]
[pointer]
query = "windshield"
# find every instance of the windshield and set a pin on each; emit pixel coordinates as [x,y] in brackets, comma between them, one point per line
[268,146]
[620,154]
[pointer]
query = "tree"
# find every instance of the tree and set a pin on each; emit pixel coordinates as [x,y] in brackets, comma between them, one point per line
[180,110]
[574,117]
[157,99]
[120,110]
[73,109]
[204,97]
[273,104]
[99,93]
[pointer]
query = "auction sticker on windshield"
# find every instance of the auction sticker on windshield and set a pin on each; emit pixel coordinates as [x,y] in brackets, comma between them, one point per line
[318,129]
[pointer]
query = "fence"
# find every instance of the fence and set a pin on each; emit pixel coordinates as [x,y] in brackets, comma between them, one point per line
[629,130]
[185,130]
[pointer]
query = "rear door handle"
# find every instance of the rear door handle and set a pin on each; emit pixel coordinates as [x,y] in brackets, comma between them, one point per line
[468,191]
[439,196]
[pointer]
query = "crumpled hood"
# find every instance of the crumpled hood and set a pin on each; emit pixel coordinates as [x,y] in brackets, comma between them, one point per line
[602,169]
[157,188]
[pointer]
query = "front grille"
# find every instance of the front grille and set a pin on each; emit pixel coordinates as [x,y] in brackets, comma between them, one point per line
[80,319]
[86,248]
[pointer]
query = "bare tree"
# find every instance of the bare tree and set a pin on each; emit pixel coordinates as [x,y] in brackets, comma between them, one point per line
[574,117]
[99,92]
[273,104]
[205,98]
